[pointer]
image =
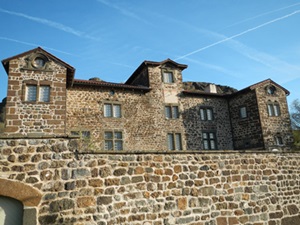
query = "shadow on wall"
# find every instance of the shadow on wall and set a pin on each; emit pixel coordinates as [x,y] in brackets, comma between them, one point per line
[2,115]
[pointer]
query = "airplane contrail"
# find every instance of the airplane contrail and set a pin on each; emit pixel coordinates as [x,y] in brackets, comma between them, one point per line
[239,34]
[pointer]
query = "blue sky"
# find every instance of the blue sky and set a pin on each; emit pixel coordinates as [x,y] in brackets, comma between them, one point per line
[232,42]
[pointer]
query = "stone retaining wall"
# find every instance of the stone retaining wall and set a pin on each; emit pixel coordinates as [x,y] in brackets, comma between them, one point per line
[201,188]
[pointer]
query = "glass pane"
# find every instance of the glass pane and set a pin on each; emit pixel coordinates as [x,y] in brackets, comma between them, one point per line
[211,135]
[276,110]
[168,112]
[107,110]
[117,111]
[243,112]
[44,93]
[209,114]
[178,144]
[175,112]
[202,115]
[205,144]
[108,145]
[31,93]
[212,144]
[171,142]
[108,135]
[118,145]
[118,135]
[204,135]
[168,77]
[86,134]
[270,110]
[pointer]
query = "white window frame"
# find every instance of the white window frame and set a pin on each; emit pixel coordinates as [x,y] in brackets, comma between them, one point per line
[174,141]
[209,140]
[206,114]
[114,141]
[112,110]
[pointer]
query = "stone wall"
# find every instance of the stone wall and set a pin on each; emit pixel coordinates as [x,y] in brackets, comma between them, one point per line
[193,188]
[35,118]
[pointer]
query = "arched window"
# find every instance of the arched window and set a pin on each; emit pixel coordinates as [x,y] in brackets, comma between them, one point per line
[11,211]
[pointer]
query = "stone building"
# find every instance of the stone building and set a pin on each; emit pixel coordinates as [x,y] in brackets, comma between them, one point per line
[153,110]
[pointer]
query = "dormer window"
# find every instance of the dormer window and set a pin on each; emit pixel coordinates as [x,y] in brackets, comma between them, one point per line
[168,77]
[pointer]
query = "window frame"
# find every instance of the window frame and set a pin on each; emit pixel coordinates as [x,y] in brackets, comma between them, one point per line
[209,140]
[204,116]
[113,112]
[173,112]
[173,143]
[273,109]
[170,79]
[113,140]
[243,112]
[39,85]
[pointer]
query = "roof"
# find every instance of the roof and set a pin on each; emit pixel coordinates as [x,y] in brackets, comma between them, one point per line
[97,83]
[200,87]
[261,83]
[152,63]
[70,69]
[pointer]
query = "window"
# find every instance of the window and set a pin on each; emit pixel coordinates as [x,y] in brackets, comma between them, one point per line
[174,141]
[243,112]
[278,140]
[171,112]
[209,140]
[168,77]
[113,140]
[83,134]
[112,110]
[273,109]
[31,93]
[206,113]
[36,92]
[44,94]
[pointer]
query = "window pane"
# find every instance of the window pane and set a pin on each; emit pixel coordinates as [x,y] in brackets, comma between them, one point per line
[178,144]
[117,111]
[86,134]
[108,145]
[168,77]
[276,110]
[107,110]
[212,144]
[278,140]
[204,135]
[211,135]
[270,110]
[168,112]
[108,135]
[202,114]
[205,144]
[171,142]
[118,145]
[243,112]
[31,93]
[44,93]
[209,114]
[118,135]
[175,112]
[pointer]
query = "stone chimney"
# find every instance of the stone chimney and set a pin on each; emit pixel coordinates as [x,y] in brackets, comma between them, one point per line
[211,88]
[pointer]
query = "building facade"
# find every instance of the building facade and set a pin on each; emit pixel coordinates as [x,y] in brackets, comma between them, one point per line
[154,110]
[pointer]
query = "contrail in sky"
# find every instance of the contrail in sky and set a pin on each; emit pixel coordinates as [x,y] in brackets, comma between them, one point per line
[50,23]
[239,34]
[31,44]
[260,15]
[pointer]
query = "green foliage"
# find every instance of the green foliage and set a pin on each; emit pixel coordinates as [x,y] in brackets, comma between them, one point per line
[295,114]
[296,134]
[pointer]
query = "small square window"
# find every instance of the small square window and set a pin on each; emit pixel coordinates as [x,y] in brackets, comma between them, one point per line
[209,140]
[174,141]
[171,112]
[112,110]
[168,77]
[113,140]
[206,114]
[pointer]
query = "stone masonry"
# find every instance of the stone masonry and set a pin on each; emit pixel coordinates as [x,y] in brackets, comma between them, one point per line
[63,184]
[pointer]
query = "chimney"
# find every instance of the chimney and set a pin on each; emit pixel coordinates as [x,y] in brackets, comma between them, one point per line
[211,88]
